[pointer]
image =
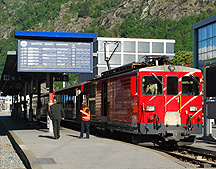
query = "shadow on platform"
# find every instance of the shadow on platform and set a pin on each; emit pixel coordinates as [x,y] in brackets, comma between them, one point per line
[72,136]
[49,137]
[17,124]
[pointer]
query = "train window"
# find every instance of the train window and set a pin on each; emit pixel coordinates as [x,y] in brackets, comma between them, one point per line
[92,90]
[172,85]
[152,85]
[190,85]
[66,101]
[92,106]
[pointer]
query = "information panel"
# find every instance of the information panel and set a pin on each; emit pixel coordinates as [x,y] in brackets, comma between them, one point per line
[55,56]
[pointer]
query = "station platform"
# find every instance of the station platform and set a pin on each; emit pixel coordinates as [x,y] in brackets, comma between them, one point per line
[43,152]
[208,143]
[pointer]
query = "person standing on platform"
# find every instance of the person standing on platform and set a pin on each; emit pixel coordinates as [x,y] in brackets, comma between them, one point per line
[85,124]
[57,114]
[38,117]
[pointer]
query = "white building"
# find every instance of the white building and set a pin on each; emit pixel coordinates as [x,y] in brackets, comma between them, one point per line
[5,103]
[121,51]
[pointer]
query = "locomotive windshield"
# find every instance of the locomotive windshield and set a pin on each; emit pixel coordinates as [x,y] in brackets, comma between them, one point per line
[190,86]
[152,85]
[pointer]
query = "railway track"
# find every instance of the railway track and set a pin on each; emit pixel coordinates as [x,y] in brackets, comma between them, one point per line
[201,158]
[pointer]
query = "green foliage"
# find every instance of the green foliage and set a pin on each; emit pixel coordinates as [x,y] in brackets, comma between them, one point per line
[9,44]
[160,28]
[36,11]
[183,58]
[73,79]
[26,14]
[84,11]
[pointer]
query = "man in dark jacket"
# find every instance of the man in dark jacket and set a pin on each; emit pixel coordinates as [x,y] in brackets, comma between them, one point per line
[57,114]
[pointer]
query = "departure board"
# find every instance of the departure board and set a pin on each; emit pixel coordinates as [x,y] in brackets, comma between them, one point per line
[55,56]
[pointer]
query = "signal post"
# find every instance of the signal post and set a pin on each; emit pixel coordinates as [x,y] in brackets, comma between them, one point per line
[49,121]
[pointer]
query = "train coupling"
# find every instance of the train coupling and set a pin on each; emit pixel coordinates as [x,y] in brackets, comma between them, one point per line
[175,135]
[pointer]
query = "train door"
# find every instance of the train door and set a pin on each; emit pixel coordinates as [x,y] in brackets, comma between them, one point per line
[104,102]
[172,102]
[151,96]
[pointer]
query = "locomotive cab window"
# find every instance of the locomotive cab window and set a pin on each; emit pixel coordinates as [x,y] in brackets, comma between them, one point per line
[190,86]
[152,85]
[172,85]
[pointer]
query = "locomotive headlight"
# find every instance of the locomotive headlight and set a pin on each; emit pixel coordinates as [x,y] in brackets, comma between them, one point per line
[171,68]
[193,108]
[150,108]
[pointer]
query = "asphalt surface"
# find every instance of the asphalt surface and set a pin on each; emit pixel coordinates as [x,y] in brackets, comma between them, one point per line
[42,151]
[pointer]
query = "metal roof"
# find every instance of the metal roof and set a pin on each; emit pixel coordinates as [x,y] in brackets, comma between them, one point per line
[9,69]
[204,22]
[9,86]
[57,35]
[166,68]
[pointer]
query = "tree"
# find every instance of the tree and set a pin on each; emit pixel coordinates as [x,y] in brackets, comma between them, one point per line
[84,11]
[73,79]
[183,58]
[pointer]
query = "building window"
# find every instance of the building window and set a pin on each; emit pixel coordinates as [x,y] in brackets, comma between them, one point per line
[128,59]
[170,47]
[209,45]
[129,47]
[214,43]
[214,29]
[115,60]
[144,47]
[206,42]
[113,45]
[209,31]
[157,47]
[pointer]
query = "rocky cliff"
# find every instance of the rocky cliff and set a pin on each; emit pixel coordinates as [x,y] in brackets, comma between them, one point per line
[147,9]
[69,20]
[169,9]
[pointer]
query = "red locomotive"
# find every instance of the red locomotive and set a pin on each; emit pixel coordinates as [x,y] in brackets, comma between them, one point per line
[153,101]
[148,99]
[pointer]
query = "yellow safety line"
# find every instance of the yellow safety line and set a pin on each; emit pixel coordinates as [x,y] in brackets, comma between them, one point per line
[180,104]
[165,104]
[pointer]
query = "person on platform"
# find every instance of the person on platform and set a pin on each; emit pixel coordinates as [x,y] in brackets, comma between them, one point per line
[57,114]
[85,124]
[152,88]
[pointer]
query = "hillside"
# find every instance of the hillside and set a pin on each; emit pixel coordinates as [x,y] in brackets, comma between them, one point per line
[161,19]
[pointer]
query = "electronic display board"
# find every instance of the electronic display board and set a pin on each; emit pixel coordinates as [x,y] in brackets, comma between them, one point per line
[55,56]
